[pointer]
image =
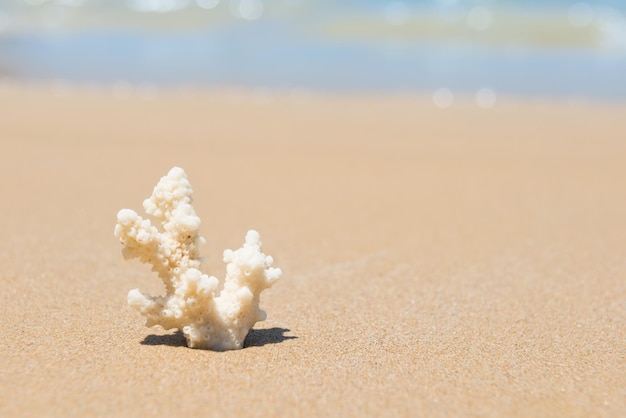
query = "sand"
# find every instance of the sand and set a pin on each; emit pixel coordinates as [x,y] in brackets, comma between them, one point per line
[458,262]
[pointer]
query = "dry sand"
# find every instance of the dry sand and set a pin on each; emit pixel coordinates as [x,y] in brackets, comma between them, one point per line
[462,262]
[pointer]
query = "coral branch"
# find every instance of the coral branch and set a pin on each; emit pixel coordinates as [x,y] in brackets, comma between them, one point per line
[191,304]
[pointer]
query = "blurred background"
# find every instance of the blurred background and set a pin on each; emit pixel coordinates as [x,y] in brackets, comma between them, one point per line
[483,49]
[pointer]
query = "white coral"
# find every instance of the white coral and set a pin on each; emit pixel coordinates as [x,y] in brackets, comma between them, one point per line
[191,303]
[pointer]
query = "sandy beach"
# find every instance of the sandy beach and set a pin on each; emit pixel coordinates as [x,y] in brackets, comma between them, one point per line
[457,262]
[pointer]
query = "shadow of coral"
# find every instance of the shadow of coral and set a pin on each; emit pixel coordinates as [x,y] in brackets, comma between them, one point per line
[176,339]
[255,338]
[261,337]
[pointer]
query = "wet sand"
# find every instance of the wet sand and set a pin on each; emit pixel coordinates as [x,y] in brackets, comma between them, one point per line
[458,262]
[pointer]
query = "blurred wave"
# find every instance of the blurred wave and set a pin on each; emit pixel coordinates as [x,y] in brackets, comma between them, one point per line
[548,48]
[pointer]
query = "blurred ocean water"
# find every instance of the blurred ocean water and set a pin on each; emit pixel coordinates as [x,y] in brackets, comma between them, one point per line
[551,48]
